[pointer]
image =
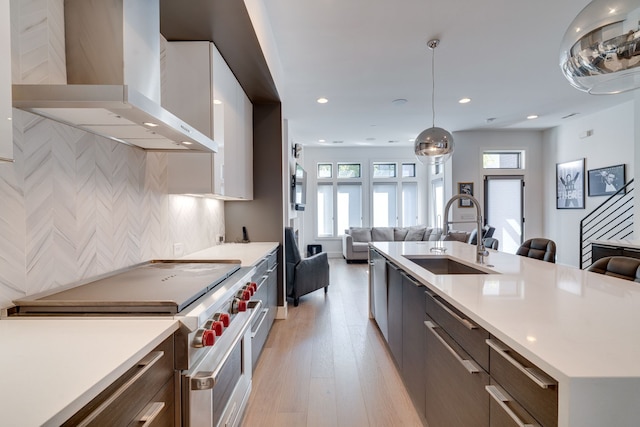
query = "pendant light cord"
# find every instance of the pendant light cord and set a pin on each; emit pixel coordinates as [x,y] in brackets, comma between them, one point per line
[433,86]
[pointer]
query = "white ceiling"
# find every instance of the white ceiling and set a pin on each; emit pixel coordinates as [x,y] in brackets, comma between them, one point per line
[363,54]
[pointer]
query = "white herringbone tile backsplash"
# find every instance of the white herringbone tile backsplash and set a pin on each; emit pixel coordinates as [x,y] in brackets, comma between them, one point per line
[75,205]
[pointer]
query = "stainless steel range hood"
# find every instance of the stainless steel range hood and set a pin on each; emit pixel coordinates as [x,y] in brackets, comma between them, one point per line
[113,78]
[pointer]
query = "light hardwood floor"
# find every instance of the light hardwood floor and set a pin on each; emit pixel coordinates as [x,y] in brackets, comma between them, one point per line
[327,364]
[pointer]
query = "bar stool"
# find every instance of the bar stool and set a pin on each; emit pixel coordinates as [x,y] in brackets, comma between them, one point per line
[621,267]
[538,248]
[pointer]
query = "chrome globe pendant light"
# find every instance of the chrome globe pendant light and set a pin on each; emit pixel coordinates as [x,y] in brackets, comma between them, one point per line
[600,52]
[435,144]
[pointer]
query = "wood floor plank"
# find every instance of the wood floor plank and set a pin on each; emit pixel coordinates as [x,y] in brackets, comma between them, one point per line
[328,365]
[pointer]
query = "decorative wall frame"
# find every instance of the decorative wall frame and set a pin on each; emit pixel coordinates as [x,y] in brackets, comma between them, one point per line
[570,185]
[606,181]
[465,188]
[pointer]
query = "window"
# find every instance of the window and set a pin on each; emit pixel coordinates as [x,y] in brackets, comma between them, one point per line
[409,204]
[437,202]
[384,204]
[384,170]
[324,202]
[349,206]
[408,170]
[502,160]
[383,194]
[349,170]
[325,170]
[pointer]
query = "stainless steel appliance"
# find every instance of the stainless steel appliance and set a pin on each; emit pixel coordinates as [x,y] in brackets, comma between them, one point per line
[212,300]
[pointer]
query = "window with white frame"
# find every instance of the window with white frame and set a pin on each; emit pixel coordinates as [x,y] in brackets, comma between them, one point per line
[503,159]
[390,197]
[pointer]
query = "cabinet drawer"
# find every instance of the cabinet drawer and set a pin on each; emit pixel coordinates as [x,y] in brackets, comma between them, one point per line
[259,333]
[466,333]
[454,385]
[504,411]
[131,394]
[261,270]
[262,294]
[272,259]
[160,411]
[533,389]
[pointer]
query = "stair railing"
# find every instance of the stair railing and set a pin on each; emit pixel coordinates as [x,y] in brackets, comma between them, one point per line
[612,219]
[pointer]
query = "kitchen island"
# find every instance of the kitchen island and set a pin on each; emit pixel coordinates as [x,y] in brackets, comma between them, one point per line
[580,328]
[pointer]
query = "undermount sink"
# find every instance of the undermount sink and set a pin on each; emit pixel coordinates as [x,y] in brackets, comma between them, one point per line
[439,265]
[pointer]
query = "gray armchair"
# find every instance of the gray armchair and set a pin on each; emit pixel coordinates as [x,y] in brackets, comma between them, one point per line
[303,275]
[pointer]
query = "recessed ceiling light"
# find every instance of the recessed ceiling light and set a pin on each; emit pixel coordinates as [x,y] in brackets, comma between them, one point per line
[217,101]
[612,11]
[399,101]
[464,100]
[412,140]
[187,142]
[322,100]
[150,124]
[322,140]
[532,116]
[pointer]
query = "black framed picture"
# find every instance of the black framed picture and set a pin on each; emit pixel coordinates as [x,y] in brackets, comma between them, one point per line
[606,181]
[570,185]
[465,188]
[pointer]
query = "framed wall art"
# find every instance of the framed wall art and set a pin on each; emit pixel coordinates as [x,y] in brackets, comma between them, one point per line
[606,181]
[570,185]
[465,188]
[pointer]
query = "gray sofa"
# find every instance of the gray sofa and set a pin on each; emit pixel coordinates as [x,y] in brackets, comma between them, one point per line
[355,241]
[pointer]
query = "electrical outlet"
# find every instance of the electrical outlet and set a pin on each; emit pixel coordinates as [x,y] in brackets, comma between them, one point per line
[220,239]
[178,249]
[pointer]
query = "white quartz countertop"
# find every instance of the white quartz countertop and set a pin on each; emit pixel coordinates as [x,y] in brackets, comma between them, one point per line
[247,253]
[572,323]
[50,368]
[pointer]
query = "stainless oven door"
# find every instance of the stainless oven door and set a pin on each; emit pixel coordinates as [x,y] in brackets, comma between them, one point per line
[215,391]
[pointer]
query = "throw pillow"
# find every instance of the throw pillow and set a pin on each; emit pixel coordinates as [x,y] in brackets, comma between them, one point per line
[414,234]
[382,234]
[361,234]
[399,234]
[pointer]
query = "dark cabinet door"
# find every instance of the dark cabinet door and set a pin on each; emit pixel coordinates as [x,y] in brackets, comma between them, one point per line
[413,341]
[378,277]
[394,312]
[455,392]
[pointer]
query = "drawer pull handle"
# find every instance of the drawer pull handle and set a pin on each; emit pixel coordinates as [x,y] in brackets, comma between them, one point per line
[144,365]
[499,396]
[467,364]
[254,331]
[465,322]
[150,413]
[541,379]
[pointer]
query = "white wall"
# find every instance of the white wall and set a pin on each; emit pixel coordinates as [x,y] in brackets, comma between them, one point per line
[467,167]
[612,143]
[364,155]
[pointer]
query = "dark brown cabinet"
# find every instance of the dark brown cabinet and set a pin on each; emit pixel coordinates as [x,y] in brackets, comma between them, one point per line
[457,361]
[413,341]
[145,393]
[394,312]
[530,392]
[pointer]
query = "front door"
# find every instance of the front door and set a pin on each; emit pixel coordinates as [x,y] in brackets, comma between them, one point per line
[504,209]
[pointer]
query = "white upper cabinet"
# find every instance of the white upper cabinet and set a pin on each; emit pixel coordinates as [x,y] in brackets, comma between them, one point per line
[6,133]
[202,89]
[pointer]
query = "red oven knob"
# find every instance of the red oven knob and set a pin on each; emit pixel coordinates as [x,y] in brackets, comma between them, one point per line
[207,339]
[217,327]
[242,305]
[224,318]
[250,289]
[244,295]
[254,286]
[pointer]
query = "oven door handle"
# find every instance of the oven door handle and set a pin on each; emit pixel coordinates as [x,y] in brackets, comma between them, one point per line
[207,380]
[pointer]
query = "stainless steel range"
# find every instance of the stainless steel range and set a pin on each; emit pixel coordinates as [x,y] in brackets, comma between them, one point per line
[213,302]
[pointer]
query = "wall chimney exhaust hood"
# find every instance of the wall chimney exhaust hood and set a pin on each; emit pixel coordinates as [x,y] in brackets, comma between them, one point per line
[113,78]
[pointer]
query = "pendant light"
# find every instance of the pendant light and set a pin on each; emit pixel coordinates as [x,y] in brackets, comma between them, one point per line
[600,52]
[435,144]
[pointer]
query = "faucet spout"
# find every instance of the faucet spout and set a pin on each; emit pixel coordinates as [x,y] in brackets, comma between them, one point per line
[481,251]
